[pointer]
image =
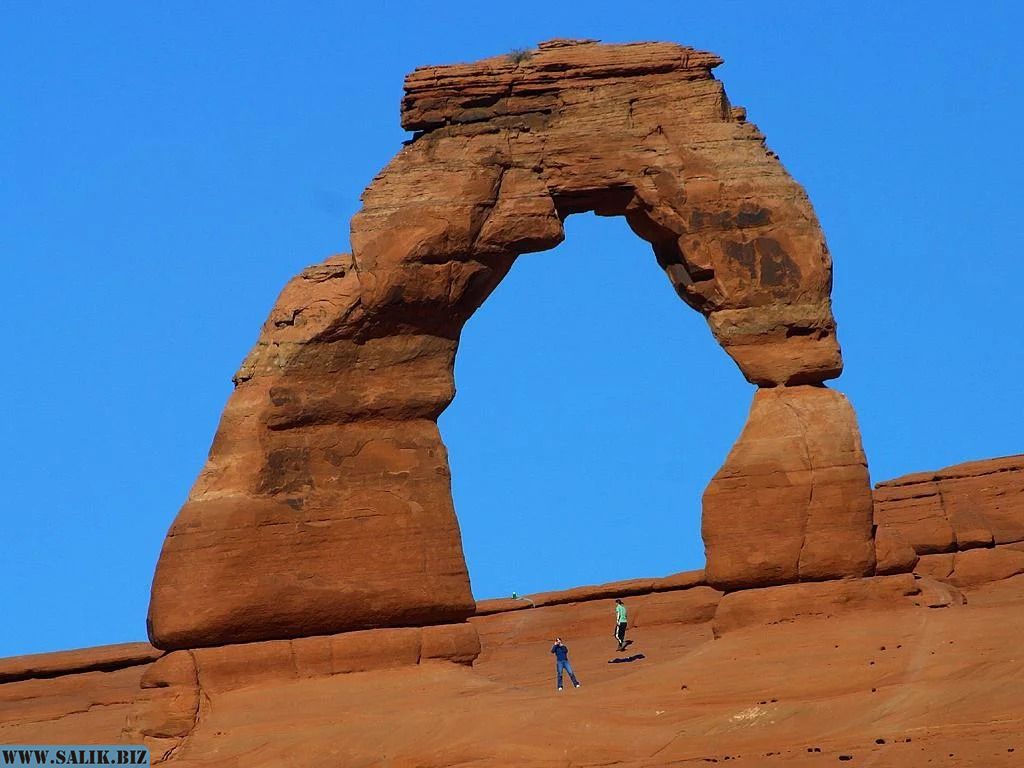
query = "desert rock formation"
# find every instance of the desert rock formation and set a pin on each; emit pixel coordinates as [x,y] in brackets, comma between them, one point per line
[969,505]
[311,605]
[800,457]
[894,671]
[325,505]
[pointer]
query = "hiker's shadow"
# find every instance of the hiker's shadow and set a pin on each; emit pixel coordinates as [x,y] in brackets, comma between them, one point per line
[627,659]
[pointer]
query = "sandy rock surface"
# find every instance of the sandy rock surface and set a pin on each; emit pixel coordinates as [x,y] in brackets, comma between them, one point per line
[812,674]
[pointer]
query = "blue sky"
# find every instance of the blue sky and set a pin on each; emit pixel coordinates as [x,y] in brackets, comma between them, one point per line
[165,168]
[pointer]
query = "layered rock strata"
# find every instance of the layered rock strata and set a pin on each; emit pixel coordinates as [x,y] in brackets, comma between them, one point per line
[325,504]
[187,705]
[968,505]
[108,658]
[703,670]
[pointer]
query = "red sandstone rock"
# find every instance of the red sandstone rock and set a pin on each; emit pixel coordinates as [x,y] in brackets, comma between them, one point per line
[925,683]
[212,706]
[678,608]
[974,567]
[938,594]
[628,588]
[167,708]
[598,592]
[501,605]
[228,667]
[968,505]
[169,705]
[980,566]
[937,566]
[459,643]
[681,580]
[688,606]
[104,657]
[789,602]
[325,503]
[631,587]
[70,708]
[333,548]
[792,501]
[893,554]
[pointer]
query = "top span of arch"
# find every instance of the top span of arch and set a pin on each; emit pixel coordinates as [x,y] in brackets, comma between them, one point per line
[505,148]
[530,81]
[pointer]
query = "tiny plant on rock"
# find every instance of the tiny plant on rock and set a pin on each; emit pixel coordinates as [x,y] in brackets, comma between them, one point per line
[519,55]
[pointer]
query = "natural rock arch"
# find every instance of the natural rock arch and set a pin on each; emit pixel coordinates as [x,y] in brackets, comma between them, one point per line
[325,504]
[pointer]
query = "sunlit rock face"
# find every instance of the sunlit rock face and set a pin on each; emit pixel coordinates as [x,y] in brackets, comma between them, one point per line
[792,501]
[325,504]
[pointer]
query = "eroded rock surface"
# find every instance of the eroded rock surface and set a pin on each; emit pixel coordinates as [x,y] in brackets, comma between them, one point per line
[974,504]
[792,501]
[753,677]
[106,658]
[802,674]
[325,504]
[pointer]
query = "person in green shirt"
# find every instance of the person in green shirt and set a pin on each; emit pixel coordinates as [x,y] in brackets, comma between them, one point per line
[620,624]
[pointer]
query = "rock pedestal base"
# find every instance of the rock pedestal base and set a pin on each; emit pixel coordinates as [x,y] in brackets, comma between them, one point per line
[793,500]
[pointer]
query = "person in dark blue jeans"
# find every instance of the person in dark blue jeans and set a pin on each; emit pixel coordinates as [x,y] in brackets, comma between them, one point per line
[562,662]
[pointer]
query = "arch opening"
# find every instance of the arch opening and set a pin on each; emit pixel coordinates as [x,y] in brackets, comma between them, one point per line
[592,410]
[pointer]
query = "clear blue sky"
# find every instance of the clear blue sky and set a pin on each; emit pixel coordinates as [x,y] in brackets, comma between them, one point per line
[166,167]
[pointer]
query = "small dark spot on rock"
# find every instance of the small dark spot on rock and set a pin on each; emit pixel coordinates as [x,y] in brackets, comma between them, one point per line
[874,690]
[879,741]
[742,254]
[844,758]
[777,267]
[749,216]
[281,396]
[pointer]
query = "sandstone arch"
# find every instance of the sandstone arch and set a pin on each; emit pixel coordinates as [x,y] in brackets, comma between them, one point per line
[325,504]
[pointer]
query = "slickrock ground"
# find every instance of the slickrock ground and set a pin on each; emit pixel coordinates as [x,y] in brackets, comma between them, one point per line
[928,683]
[903,670]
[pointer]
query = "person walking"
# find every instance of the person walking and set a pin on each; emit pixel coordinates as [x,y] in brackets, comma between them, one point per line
[562,663]
[620,624]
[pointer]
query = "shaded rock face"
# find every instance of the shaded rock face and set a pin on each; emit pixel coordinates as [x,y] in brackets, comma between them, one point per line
[325,504]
